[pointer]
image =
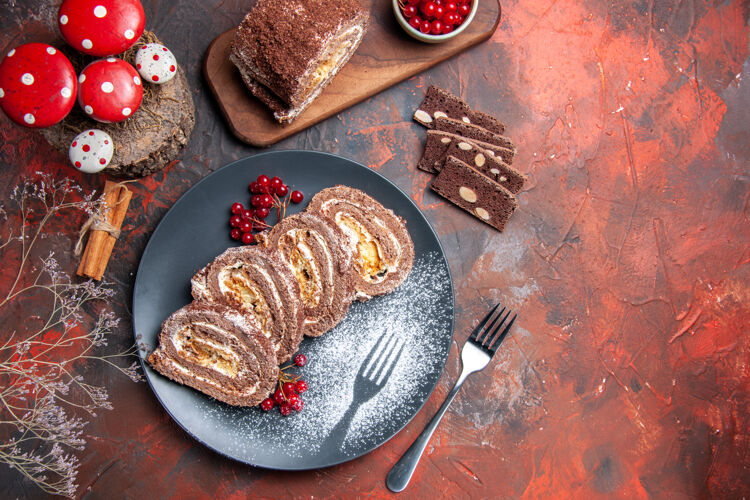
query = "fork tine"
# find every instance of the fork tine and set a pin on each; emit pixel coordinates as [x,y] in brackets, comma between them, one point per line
[489,328]
[371,356]
[390,365]
[481,324]
[382,357]
[499,339]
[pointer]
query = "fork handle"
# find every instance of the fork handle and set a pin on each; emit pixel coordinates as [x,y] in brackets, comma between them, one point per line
[400,475]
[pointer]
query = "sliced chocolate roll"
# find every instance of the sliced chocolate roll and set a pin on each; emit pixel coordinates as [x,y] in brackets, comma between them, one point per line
[255,281]
[382,250]
[315,251]
[217,351]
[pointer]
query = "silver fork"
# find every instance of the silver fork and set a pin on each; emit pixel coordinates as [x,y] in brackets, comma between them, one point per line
[475,355]
[372,376]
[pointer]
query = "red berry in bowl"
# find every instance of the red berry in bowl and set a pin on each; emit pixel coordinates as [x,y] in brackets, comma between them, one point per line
[278,397]
[261,212]
[285,409]
[410,11]
[300,360]
[265,201]
[439,12]
[245,226]
[451,7]
[288,389]
[275,182]
[415,22]
[247,238]
[267,404]
[236,208]
[234,221]
[298,405]
[301,386]
[428,9]
[297,197]
[425,27]
[235,234]
[464,9]
[437,27]
[447,28]
[282,190]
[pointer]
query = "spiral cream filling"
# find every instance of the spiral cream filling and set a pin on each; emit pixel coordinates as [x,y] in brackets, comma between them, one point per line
[191,345]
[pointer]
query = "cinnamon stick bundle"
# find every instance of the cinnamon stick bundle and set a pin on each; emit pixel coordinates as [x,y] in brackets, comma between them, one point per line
[101,240]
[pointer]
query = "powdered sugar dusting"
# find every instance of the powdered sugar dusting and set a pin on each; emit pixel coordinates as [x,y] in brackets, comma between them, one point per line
[331,428]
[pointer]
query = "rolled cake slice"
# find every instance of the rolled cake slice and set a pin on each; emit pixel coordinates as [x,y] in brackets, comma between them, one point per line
[217,351]
[382,249]
[484,161]
[473,132]
[314,250]
[439,102]
[255,281]
[438,142]
[287,52]
[477,194]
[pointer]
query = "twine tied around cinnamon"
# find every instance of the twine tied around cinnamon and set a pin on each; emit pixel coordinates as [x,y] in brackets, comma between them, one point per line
[104,229]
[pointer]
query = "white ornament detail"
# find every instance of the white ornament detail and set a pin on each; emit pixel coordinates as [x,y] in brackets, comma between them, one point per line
[111,59]
[126,111]
[51,51]
[100,11]
[29,118]
[82,78]
[63,19]
[136,80]
[27,78]
[107,87]
[86,43]
[66,92]
[2,93]
[129,34]
[11,53]
[88,109]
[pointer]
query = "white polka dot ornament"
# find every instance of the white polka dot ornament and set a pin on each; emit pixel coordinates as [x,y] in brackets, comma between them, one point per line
[155,63]
[109,90]
[91,151]
[37,85]
[101,27]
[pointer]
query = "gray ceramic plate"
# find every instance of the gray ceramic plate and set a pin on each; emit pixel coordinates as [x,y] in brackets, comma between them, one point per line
[337,423]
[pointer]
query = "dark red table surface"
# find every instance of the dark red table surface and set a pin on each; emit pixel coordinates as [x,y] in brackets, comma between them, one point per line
[628,373]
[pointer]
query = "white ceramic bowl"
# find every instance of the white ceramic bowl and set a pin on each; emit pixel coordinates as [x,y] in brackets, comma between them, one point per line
[433,38]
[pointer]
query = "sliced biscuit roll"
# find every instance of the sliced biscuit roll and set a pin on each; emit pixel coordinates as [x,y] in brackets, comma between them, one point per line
[217,351]
[382,250]
[255,281]
[314,250]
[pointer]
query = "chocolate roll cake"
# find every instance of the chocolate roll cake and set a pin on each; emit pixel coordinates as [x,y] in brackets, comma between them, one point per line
[315,251]
[477,194]
[287,52]
[441,103]
[255,281]
[217,351]
[382,250]
[437,145]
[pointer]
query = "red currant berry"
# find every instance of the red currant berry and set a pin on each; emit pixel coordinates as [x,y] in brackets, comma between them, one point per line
[261,212]
[265,201]
[278,397]
[464,9]
[275,183]
[282,190]
[245,226]
[447,28]
[253,187]
[293,398]
[247,214]
[413,2]
[263,180]
[428,9]
[235,234]
[255,200]
[234,221]
[459,21]
[297,197]
[425,27]
[410,11]
[267,404]
[451,7]
[415,22]
[300,360]
[439,12]
[236,208]
[301,386]
[288,389]
[285,409]
[247,238]
[437,27]
[298,405]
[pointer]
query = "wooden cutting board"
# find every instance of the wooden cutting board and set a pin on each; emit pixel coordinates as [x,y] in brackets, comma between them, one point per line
[386,56]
